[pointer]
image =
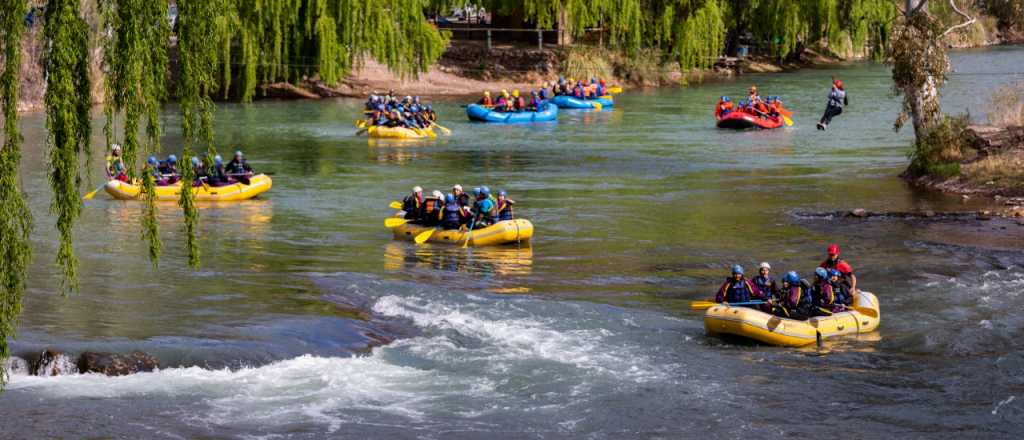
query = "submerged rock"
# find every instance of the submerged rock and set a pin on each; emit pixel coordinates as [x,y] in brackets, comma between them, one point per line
[112,364]
[16,366]
[53,363]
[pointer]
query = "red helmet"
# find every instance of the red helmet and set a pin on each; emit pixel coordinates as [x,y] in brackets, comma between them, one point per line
[838,84]
[833,249]
[601,81]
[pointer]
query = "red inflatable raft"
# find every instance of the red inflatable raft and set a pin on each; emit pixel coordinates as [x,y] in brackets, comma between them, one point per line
[739,120]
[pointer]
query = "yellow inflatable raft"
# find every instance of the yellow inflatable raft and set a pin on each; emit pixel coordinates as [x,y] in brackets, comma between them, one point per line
[764,327]
[381,132]
[508,231]
[258,184]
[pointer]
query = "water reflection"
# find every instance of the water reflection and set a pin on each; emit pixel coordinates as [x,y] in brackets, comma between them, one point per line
[496,260]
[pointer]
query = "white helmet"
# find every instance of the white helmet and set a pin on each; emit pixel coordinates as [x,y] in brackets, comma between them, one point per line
[457,187]
[115,147]
[437,194]
[765,265]
[417,189]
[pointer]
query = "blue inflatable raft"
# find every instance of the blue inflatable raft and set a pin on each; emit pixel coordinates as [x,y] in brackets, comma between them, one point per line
[479,113]
[566,101]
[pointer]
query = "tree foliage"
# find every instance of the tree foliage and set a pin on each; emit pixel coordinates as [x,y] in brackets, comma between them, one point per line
[16,220]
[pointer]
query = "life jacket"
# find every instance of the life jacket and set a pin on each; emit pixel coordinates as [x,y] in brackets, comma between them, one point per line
[842,293]
[765,286]
[796,300]
[115,166]
[451,217]
[520,103]
[837,98]
[543,94]
[723,108]
[487,101]
[535,103]
[736,291]
[578,92]
[504,209]
[600,90]
[411,206]
[431,205]
[823,295]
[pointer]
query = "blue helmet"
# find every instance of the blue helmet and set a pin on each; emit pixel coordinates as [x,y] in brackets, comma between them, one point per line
[485,191]
[501,193]
[476,190]
[791,277]
[835,273]
[195,161]
[430,107]
[821,272]
[172,159]
[152,160]
[449,198]
[737,269]
[218,160]
[725,99]
[415,108]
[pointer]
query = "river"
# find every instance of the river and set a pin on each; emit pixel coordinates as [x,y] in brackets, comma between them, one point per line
[585,334]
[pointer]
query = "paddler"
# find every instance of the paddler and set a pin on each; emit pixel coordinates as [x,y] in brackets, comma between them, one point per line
[199,171]
[430,214]
[601,91]
[737,289]
[518,103]
[535,102]
[153,168]
[452,215]
[503,102]
[723,108]
[169,169]
[822,294]
[765,283]
[794,301]
[218,176]
[504,207]
[413,203]
[115,164]
[483,210]
[239,168]
[486,101]
[846,271]
[836,101]
[843,297]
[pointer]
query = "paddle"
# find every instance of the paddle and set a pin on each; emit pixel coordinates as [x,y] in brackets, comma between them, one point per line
[394,222]
[422,237]
[789,122]
[395,204]
[362,130]
[702,305]
[89,195]
[465,244]
[614,90]
[606,97]
[444,129]
[597,106]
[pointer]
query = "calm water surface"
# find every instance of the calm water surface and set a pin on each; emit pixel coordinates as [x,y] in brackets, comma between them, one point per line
[584,334]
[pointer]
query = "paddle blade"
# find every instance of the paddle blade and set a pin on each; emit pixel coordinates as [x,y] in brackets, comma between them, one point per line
[395,204]
[597,106]
[606,97]
[89,195]
[789,122]
[394,222]
[615,89]
[702,305]
[422,237]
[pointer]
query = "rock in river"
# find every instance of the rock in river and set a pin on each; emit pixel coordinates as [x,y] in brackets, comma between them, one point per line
[53,363]
[112,364]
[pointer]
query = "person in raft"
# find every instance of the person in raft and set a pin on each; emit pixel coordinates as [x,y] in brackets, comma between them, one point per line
[793,301]
[116,169]
[836,101]
[843,297]
[822,294]
[199,170]
[723,108]
[738,289]
[765,284]
[486,101]
[845,270]
[169,170]
[413,203]
[238,168]
[483,210]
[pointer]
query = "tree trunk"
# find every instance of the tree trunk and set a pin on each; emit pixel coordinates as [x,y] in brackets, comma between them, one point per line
[564,27]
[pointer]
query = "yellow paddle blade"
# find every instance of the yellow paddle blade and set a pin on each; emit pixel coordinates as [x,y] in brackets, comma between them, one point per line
[422,237]
[394,222]
[445,130]
[614,89]
[89,195]
[606,97]
[395,204]
[360,123]
[866,311]
[789,122]
[702,305]
[597,106]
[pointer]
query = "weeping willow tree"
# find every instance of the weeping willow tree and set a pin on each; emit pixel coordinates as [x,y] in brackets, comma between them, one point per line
[16,220]
[67,104]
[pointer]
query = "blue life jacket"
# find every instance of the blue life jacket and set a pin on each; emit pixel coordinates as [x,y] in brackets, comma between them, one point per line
[738,291]
[451,217]
[504,211]
[764,284]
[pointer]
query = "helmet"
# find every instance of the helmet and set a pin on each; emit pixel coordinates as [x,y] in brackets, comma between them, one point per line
[238,153]
[601,81]
[737,269]
[515,93]
[504,92]
[501,193]
[833,249]
[407,98]
[172,159]
[417,189]
[838,84]
[115,148]
[487,93]
[430,107]
[753,89]
[765,265]
[476,190]
[485,191]
[152,160]
[415,108]
[449,198]
[821,272]
[457,187]
[725,99]
[194,161]
[791,277]
[437,194]
[218,160]
[834,273]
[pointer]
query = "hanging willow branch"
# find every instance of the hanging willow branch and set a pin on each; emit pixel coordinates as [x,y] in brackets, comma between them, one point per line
[135,54]
[16,221]
[67,119]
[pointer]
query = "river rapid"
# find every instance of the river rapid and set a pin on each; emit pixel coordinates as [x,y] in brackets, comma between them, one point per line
[584,334]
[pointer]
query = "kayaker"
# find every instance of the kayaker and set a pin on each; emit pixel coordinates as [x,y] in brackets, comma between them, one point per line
[483,210]
[486,101]
[238,168]
[451,216]
[836,101]
[116,169]
[765,283]
[834,262]
[430,214]
[169,169]
[843,297]
[518,103]
[794,301]
[737,289]
[822,294]
[413,203]
[504,207]
[723,108]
